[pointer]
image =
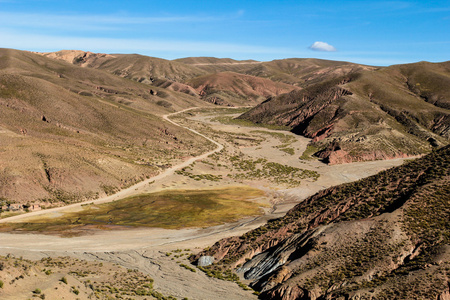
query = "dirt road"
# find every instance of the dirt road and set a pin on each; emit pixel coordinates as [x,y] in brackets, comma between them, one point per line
[132,190]
[146,248]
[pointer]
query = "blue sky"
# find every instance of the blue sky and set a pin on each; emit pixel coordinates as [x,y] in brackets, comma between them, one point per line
[369,32]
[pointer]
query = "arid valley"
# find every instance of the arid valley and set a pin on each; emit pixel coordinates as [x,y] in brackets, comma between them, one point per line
[133,177]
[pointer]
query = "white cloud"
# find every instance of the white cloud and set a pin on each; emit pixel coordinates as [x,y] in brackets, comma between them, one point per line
[322,46]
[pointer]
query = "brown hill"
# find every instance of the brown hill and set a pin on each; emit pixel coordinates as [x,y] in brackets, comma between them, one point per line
[181,75]
[383,237]
[429,81]
[304,71]
[176,86]
[216,65]
[385,113]
[237,89]
[220,74]
[70,133]
[202,60]
[295,71]
[353,112]
[132,66]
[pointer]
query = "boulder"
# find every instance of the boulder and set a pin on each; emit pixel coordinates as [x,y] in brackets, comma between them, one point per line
[204,261]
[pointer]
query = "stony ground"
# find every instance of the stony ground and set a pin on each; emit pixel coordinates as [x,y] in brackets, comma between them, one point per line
[245,149]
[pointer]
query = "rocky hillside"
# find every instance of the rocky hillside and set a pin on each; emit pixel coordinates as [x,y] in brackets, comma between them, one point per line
[373,114]
[294,71]
[132,66]
[383,237]
[70,133]
[353,112]
[230,88]
[221,81]
[304,72]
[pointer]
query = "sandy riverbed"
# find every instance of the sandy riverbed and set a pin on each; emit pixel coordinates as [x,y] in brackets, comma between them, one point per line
[145,248]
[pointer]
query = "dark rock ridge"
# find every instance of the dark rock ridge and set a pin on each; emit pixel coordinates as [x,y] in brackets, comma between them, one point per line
[300,106]
[383,237]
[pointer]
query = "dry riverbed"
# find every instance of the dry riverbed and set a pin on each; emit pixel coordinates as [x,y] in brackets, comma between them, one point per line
[254,157]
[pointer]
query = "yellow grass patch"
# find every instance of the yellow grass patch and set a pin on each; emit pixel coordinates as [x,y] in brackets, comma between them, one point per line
[172,209]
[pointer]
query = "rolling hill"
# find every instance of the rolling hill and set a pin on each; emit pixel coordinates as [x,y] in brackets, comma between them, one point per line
[70,133]
[132,66]
[216,65]
[304,72]
[221,81]
[294,71]
[79,110]
[230,88]
[184,75]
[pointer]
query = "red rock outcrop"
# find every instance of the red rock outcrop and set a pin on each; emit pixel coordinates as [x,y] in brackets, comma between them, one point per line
[372,232]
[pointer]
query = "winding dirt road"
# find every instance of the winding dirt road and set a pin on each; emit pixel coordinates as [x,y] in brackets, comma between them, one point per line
[145,248]
[132,190]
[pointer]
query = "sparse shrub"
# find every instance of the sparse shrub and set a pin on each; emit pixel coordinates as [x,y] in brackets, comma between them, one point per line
[162,94]
[188,268]
[164,103]
[109,189]
[75,290]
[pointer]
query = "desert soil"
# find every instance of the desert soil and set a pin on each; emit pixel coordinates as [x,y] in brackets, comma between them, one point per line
[145,249]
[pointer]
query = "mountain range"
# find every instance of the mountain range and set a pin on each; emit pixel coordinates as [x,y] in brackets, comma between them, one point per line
[78,125]
[352,112]
[105,107]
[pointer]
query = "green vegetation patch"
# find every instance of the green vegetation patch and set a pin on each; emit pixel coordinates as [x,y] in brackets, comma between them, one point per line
[428,214]
[90,279]
[288,150]
[285,139]
[223,110]
[272,171]
[168,209]
[309,151]
[214,271]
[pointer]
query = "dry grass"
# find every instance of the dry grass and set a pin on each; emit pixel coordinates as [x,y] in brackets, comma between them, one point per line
[76,129]
[70,278]
[168,209]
